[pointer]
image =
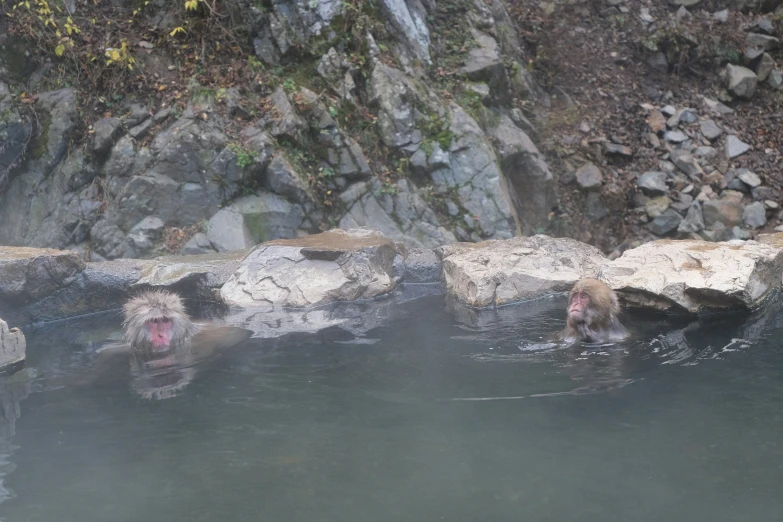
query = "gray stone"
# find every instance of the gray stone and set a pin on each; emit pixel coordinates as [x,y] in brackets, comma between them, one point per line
[418,266]
[764,26]
[105,132]
[226,230]
[735,147]
[694,220]
[705,152]
[667,222]
[142,238]
[755,215]
[726,211]
[748,177]
[692,276]
[764,67]
[775,79]
[589,177]
[283,179]
[286,122]
[484,63]
[618,150]
[721,16]
[742,81]
[738,233]
[595,210]
[653,183]
[27,274]
[657,206]
[766,42]
[198,244]
[717,107]
[409,19]
[675,136]
[332,266]
[12,346]
[685,162]
[501,272]
[710,130]
[684,3]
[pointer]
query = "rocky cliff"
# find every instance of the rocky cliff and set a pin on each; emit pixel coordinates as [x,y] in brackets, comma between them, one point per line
[202,126]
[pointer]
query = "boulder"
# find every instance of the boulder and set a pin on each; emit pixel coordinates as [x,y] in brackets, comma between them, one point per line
[338,265]
[589,177]
[742,81]
[27,274]
[12,346]
[653,183]
[696,276]
[417,266]
[499,272]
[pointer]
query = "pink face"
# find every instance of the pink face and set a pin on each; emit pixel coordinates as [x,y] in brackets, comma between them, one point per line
[160,332]
[578,305]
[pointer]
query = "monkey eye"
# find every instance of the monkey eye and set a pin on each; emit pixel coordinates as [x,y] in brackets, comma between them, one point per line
[164,320]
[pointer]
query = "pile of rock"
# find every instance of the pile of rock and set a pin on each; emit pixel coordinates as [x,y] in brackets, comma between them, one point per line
[697,192]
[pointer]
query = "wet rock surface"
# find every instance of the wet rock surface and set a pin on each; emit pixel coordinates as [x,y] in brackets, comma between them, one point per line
[12,347]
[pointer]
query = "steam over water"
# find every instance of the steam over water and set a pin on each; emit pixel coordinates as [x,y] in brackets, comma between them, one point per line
[440,414]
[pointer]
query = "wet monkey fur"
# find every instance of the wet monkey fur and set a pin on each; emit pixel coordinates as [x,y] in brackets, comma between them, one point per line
[592,314]
[162,345]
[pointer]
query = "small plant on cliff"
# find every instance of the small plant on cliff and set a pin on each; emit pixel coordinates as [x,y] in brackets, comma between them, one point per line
[244,156]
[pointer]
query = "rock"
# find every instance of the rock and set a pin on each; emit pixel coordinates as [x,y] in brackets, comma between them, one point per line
[657,206]
[764,67]
[142,238]
[748,177]
[619,150]
[775,79]
[764,26]
[27,274]
[742,81]
[397,97]
[721,16]
[200,276]
[666,222]
[105,132]
[409,18]
[484,63]
[710,130]
[198,244]
[684,3]
[500,272]
[755,215]
[402,216]
[695,276]
[717,107]
[771,205]
[286,122]
[675,136]
[226,231]
[589,177]
[337,265]
[738,233]
[656,121]
[653,183]
[658,61]
[705,152]
[686,163]
[595,210]
[12,347]
[694,220]
[735,147]
[526,170]
[763,41]
[726,211]
[418,266]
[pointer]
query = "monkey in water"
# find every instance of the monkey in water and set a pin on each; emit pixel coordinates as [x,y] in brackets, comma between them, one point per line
[592,314]
[164,345]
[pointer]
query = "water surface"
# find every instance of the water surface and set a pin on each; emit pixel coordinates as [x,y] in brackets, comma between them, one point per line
[439,414]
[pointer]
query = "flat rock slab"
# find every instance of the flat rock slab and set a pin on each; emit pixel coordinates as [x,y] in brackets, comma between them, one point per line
[202,274]
[505,271]
[27,274]
[696,276]
[338,265]
[12,346]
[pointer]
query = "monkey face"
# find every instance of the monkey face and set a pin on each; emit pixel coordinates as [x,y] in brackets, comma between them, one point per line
[159,331]
[578,305]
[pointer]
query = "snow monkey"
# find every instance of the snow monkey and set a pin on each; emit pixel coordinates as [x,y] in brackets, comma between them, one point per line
[163,345]
[592,314]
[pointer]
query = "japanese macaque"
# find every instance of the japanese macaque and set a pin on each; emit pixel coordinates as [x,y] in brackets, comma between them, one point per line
[164,344]
[592,314]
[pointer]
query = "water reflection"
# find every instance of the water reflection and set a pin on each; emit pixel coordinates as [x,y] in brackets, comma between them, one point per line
[13,389]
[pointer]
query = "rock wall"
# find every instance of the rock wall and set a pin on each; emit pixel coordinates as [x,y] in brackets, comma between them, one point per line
[434,161]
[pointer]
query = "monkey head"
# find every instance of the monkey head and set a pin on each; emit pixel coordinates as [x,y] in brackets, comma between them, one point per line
[592,302]
[156,320]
